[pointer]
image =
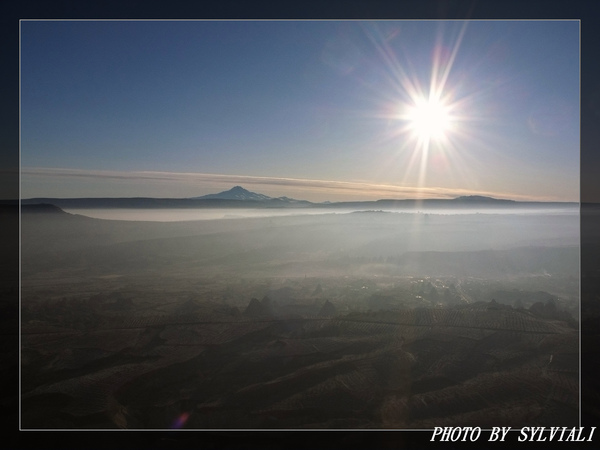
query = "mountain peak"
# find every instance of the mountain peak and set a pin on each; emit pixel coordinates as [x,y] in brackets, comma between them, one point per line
[236,193]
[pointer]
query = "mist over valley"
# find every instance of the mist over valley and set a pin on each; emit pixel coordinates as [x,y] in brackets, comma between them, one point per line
[363,319]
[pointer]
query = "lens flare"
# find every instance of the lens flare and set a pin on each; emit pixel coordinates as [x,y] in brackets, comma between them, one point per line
[180,421]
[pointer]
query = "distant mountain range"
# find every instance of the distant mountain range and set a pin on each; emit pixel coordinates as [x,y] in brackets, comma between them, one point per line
[238,197]
[239,193]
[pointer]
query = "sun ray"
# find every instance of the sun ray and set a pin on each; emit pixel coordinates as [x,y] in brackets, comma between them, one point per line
[434,119]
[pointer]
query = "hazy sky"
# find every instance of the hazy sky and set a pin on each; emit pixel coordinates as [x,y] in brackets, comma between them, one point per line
[316,110]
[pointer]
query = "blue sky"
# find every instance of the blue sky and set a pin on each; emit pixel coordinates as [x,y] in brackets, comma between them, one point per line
[307,109]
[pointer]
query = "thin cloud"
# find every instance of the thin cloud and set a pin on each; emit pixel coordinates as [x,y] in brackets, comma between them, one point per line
[324,188]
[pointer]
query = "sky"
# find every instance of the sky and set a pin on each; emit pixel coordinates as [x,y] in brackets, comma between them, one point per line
[314,110]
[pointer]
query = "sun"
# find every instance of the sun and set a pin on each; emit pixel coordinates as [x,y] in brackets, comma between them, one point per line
[429,119]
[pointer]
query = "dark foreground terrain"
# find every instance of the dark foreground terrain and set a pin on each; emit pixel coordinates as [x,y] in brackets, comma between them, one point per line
[366,320]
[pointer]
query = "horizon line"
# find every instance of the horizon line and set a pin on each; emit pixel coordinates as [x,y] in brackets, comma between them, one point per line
[202,181]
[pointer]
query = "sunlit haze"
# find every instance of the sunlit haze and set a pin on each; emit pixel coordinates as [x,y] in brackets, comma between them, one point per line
[314,110]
